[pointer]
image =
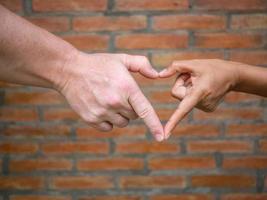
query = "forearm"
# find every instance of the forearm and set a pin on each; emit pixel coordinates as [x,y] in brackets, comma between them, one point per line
[28,54]
[252,80]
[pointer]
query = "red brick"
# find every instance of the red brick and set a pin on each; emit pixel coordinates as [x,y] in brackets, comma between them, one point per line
[151,41]
[263,145]
[144,147]
[39,197]
[229,114]
[191,22]
[195,130]
[35,98]
[18,114]
[40,165]
[104,23]
[81,183]
[88,42]
[252,21]
[228,40]
[181,163]
[182,197]
[250,57]
[76,148]
[219,146]
[113,197]
[146,5]
[13,5]
[40,132]
[132,131]
[152,182]
[53,114]
[247,130]
[244,197]
[239,97]
[70,5]
[21,183]
[52,24]
[111,164]
[160,96]
[245,163]
[165,59]
[18,148]
[242,5]
[223,181]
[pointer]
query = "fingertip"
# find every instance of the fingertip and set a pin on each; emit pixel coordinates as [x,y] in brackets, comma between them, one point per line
[154,73]
[163,72]
[159,137]
[167,130]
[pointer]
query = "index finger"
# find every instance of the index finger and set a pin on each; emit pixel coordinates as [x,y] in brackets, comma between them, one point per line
[145,111]
[183,66]
[186,105]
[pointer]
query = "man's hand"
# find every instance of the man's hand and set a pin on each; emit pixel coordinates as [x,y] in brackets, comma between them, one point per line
[101,90]
[200,83]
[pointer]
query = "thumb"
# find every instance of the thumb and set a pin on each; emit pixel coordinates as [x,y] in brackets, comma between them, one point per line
[186,105]
[145,111]
[139,64]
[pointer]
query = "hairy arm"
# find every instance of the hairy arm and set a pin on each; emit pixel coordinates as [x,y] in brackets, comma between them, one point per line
[98,87]
[28,54]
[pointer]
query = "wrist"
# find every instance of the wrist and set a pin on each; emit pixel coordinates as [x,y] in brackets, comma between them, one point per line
[64,69]
[235,70]
[51,67]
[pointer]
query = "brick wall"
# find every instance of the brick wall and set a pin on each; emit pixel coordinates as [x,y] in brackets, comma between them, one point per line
[47,152]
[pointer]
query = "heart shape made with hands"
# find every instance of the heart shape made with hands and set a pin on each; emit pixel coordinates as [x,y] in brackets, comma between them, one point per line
[181,86]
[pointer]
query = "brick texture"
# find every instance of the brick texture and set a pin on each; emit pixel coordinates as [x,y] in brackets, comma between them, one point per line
[47,152]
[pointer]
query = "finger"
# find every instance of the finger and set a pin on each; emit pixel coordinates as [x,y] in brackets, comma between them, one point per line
[178,66]
[179,92]
[145,111]
[186,105]
[103,126]
[179,88]
[139,64]
[117,120]
[130,114]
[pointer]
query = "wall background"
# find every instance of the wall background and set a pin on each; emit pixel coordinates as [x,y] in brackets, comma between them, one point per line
[47,153]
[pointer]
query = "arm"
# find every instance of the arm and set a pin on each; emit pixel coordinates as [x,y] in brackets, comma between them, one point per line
[203,84]
[98,87]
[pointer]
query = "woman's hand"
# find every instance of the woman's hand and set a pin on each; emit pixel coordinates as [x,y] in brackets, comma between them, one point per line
[201,84]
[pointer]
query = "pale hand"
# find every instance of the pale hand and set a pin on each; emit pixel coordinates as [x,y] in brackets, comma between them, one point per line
[101,90]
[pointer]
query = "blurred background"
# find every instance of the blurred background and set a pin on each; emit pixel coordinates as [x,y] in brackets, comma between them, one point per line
[48,153]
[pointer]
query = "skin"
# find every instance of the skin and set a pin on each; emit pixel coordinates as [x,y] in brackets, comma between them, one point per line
[98,87]
[204,83]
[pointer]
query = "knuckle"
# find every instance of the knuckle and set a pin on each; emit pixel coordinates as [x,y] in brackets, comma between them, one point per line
[174,92]
[123,123]
[91,120]
[144,112]
[114,102]
[105,129]
[101,113]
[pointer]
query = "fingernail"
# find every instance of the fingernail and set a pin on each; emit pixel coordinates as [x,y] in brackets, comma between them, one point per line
[163,71]
[167,136]
[159,137]
[155,72]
